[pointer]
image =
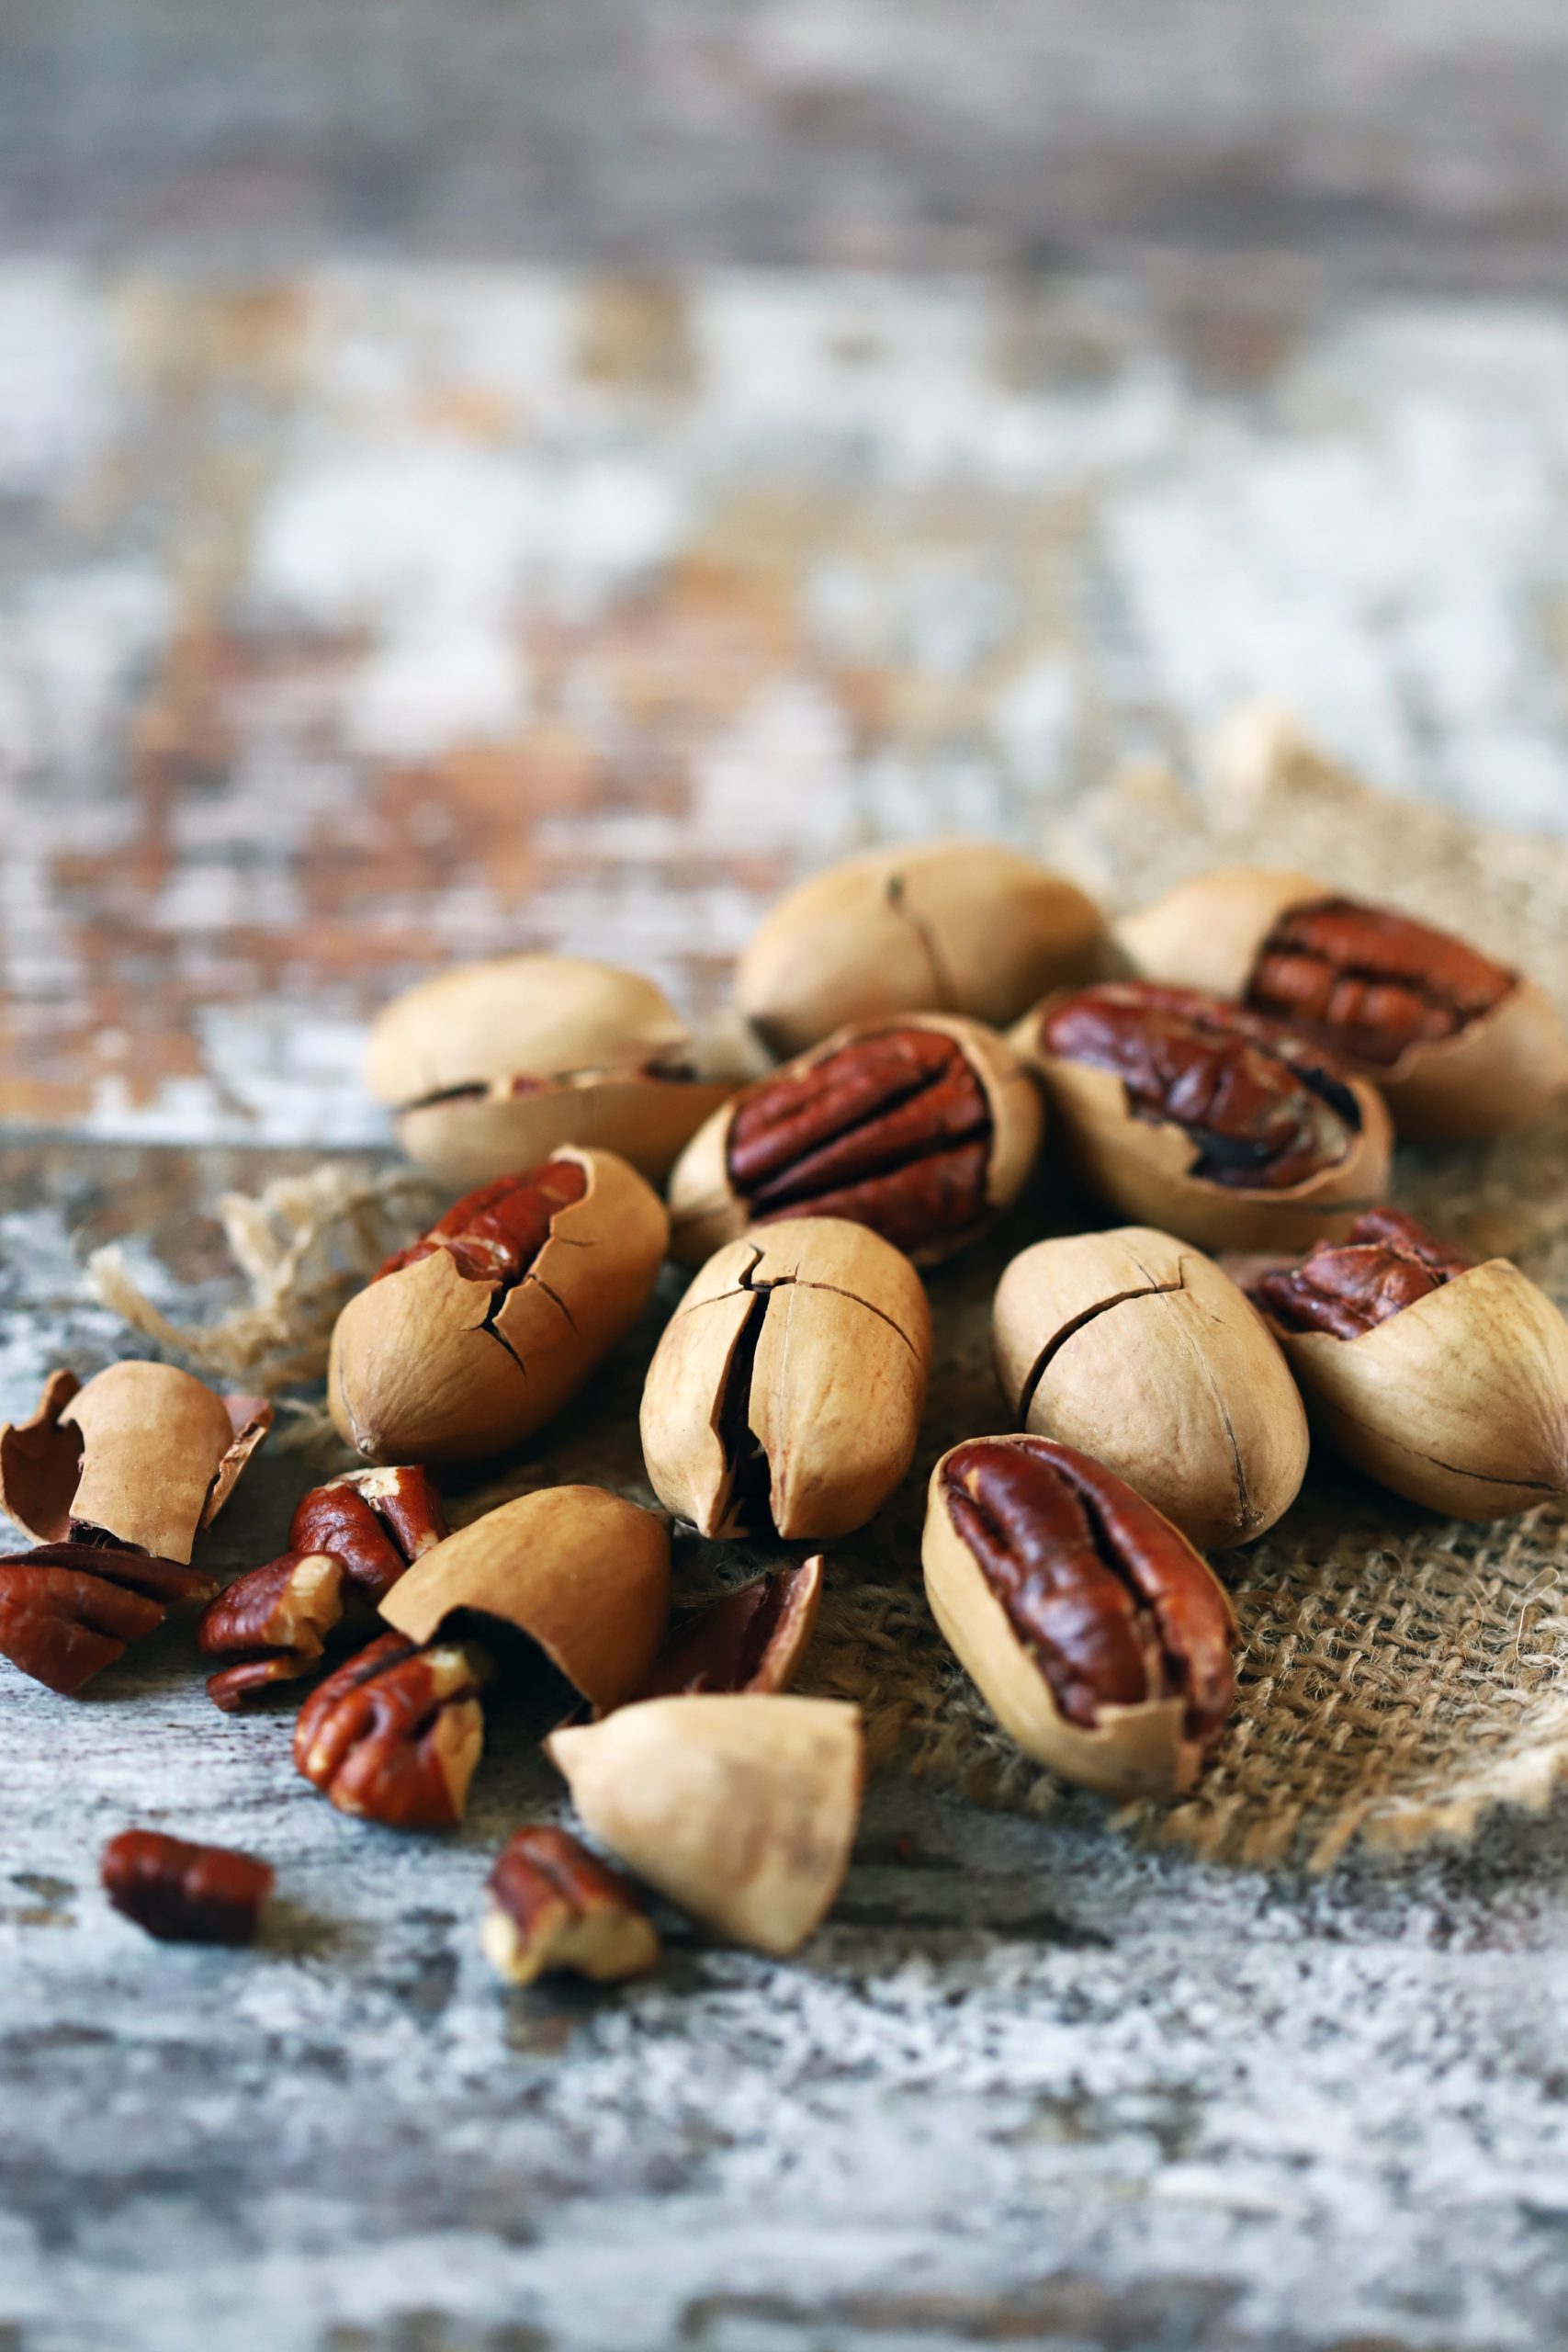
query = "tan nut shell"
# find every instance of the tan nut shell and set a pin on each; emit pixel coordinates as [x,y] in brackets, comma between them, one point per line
[837,1385]
[415,1374]
[1458,1402]
[583,1029]
[1137,1350]
[583,1573]
[144,1451]
[740,1810]
[941,926]
[706,1212]
[1499,1073]
[1130,1752]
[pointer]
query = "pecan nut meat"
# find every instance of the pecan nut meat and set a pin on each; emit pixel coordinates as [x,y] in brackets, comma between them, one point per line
[921,1130]
[394,1735]
[555,1908]
[272,1624]
[376,1522]
[69,1609]
[1385,1263]
[750,1639]
[186,1893]
[1098,1635]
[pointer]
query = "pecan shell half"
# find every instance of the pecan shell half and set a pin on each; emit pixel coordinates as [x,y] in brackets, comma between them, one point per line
[186,1893]
[395,1733]
[69,1609]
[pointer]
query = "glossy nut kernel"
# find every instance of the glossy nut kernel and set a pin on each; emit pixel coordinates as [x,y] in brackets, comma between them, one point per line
[375,1523]
[784,1394]
[1098,1635]
[555,1908]
[740,1810]
[492,1067]
[582,1572]
[942,926]
[921,1130]
[394,1735]
[1137,1350]
[1459,1044]
[1204,1120]
[69,1609]
[750,1639]
[1454,1391]
[186,1893]
[143,1456]
[272,1624]
[467,1343]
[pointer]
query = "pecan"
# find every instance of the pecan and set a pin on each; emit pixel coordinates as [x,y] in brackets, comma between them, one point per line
[184,1893]
[377,1523]
[395,1733]
[496,1233]
[69,1609]
[1386,1262]
[1266,1108]
[1372,982]
[555,1906]
[273,1622]
[751,1639]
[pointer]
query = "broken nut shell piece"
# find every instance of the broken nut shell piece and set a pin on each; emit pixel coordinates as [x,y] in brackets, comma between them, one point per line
[555,1908]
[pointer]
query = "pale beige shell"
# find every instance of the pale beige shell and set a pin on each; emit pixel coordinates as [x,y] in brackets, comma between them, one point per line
[1131,1751]
[836,1385]
[705,1210]
[419,1369]
[1458,1402]
[582,1572]
[940,926]
[740,1810]
[1136,1349]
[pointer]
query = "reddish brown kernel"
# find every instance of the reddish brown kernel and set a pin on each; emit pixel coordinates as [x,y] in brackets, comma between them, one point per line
[1386,1263]
[495,1234]
[184,1893]
[1371,981]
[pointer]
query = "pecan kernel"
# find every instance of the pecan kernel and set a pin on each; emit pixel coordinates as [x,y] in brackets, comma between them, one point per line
[1385,1263]
[1374,982]
[273,1624]
[495,1234]
[69,1609]
[395,1733]
[751,1639]
[555,1907]
[186,1893]
[377,1523]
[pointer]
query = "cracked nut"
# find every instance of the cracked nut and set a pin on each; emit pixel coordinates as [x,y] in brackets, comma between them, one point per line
[492,1067]
[784,1394]
[1096,1633]
[1205,1120]
[750,1639]
[145,1456]
[1138,1352]
[69,1609]
[468,1341]
[555,1908]
[922,1131]
[1459,1045]
[739,1810]
[184,1894]
[272,1624]
[375,1523]
[1444,1380]
[581,1573]
[394,1735]
[942,926]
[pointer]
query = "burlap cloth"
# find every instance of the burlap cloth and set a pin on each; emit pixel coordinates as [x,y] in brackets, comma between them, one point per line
[1399,1674]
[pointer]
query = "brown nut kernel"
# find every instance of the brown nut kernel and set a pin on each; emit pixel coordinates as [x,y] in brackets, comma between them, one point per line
[1138,1352]
[942,926]
[784,1394]
[1445,1381]
[273,1624]
[492,1067]
[740,1810]
[1098,1635]
[466,1343]
[376,1522]
[395,1733]
[69,1609]
[184,1893]
[751,1639]
[1204,1120]
[555,1907]
[921,1131]
[1460,1044]
[143,1456]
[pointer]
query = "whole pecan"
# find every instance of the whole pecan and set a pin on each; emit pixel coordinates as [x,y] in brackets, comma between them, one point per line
[395,1733]
[1371,981]
[377,1523]
[273,1624]
[555,1906]
[184,1893]
[69,1609]
[1386,1262]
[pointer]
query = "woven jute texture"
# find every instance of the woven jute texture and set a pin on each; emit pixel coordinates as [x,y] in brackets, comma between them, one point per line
[1400,1675]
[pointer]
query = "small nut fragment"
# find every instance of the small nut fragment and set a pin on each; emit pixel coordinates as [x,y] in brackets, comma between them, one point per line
[273,1624]
[582,1573]
[468,1341]
[1446,1381]
[69,1609]
[1205,1120]
[492,1067]
[1460,1044]
[1139,1352]
[921,1130]
[942,926]
[184,1893]
[395,1733]
[1098,1635]
[555,1907]
[784,1394]
[376,1522]
[751,1639]
[143,1456]
[740,1810]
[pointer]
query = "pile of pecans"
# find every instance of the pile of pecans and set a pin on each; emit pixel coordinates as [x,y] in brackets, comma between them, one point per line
[1225,1072]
